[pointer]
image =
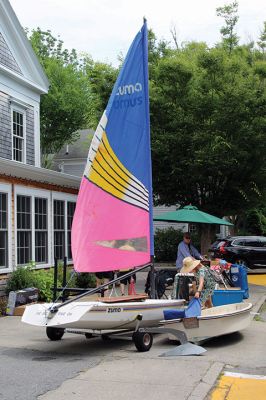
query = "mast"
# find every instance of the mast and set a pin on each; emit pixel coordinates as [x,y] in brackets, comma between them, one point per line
[146,73]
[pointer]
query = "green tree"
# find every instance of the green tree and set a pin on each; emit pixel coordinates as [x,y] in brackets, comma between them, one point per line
[46,46]
[67,106]
[101,78]
[229,13]
[208,131]
[262,40]
[158,49]
[207,122]
[252,221]
[64,109]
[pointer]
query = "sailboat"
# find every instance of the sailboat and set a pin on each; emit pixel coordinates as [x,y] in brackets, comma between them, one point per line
[113,225]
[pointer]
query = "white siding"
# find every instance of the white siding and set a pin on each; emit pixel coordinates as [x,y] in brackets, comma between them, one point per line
[158,210]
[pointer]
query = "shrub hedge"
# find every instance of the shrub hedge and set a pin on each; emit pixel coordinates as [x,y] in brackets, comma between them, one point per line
[43,279]
[166,242]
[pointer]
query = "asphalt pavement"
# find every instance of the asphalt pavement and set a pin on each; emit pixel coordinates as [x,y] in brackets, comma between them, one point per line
[32,367]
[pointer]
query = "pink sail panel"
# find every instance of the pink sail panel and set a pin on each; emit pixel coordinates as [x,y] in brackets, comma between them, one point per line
[114,220]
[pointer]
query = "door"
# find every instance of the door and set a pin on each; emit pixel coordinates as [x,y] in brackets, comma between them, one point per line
[256,251]
[262,255]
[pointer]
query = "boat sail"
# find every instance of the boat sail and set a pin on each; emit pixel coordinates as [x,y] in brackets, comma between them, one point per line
[112,225]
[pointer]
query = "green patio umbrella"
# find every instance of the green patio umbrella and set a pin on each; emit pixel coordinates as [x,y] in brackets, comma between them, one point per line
[191,214]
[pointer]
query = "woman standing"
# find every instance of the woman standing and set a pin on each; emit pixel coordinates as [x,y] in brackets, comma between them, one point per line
[204,280]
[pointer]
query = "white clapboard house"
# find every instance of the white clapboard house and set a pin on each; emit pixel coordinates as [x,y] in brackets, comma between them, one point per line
[36,204]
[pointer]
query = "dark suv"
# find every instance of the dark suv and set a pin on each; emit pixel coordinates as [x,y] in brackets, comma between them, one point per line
[246,250]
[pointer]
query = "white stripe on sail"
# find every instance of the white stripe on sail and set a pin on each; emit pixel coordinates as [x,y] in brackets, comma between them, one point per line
[135,202]
[96,140]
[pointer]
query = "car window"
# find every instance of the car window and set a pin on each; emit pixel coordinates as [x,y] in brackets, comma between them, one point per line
[253,243]
[247,242]
[239,242]
[263,242]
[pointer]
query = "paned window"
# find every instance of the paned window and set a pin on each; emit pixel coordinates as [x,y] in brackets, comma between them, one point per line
[41,230]
[3,231]
[18,136]
[59,229]
[70,214]
[24,226]
[192,228]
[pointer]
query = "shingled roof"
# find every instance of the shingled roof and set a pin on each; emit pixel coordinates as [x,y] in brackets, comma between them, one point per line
[77,150]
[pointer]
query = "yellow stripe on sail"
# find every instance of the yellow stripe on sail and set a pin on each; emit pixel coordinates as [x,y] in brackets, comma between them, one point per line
[107,172]
[101,182]
[120,168]
[116,162]
[107,176]
[108,164]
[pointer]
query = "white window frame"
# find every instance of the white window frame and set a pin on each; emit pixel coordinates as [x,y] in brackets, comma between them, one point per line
[6,188]
[60,230]
[67,230]
[66,197]
[26,230]
[32,193]
[41,230]
[22,111]
[192,228]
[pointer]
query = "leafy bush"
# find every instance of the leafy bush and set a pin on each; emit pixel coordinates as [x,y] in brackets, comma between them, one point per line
[21,278]
[166,242]
[24,277]
[85,280]
[60,273]
[256,221]
[43,280]
[28,276]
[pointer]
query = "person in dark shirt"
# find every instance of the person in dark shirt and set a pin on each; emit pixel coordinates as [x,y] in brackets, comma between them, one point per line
[186,249]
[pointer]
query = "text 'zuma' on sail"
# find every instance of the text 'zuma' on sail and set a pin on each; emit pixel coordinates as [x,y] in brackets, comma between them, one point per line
[112,226]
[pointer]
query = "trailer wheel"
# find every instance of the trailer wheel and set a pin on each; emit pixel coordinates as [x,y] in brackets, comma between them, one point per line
[142,340]
[55,333]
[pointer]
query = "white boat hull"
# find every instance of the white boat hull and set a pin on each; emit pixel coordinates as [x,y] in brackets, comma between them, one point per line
[96,315]
[215,321]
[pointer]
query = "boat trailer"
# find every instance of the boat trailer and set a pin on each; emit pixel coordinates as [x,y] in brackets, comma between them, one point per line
[142,337]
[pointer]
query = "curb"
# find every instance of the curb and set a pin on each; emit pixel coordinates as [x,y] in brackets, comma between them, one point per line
[206,384]
[259,303]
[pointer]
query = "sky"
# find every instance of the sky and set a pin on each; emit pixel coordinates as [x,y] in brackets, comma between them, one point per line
[105,28]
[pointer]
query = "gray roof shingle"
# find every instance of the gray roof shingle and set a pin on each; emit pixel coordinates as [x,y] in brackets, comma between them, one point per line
[78,149]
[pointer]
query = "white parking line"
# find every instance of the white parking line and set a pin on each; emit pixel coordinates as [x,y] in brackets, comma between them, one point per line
[245,376]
